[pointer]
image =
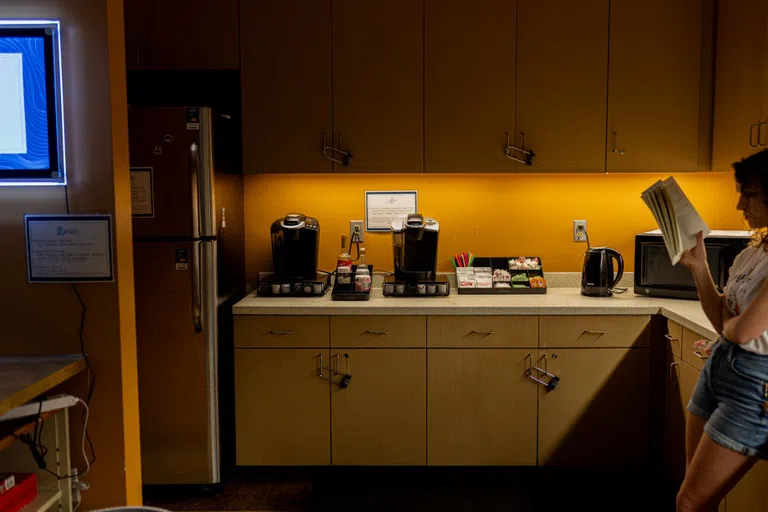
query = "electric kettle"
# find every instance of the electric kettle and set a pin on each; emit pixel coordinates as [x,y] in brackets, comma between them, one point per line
[597,277]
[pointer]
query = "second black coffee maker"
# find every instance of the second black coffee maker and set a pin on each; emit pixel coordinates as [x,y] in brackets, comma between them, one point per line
[597,276]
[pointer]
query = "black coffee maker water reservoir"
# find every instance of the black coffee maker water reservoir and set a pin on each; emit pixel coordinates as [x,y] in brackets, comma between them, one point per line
[295,246]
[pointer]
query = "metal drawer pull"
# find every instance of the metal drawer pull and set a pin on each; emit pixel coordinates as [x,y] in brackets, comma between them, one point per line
[700,354]
[482,333]
[280,333]
[550,384]
[376,333]
[672,371]
[598,333]
[751,132]
[760,135]
[670,338]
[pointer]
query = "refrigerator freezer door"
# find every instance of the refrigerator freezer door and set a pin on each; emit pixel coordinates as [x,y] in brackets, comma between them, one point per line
[162,139]
[177,357]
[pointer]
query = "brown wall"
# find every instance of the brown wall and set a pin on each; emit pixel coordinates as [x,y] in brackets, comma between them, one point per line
[44,318]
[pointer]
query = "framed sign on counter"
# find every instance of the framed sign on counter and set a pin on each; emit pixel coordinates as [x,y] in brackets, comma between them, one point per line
[69,248]
[383,207]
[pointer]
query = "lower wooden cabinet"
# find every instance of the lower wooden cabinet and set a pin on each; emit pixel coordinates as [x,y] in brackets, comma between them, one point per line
[598,415]
[681,380]
[751,493]
[381,418]
[282,408]
[481,408]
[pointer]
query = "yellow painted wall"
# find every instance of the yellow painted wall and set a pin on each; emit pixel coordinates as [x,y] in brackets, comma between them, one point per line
[491,215]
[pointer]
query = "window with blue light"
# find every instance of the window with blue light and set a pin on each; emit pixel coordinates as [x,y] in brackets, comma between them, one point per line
[31,118]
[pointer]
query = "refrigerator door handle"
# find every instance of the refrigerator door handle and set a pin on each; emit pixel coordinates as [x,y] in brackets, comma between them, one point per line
[197,284]
[194,161]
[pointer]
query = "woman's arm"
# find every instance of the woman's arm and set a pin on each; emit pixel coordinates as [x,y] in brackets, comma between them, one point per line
[752,322]
[712,301]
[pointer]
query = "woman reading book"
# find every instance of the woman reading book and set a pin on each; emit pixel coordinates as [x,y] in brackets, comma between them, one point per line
[727,422]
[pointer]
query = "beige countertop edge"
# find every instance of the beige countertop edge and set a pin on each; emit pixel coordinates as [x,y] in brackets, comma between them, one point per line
[559,301]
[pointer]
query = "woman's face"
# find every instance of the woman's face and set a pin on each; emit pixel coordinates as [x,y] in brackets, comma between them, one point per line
[752,202]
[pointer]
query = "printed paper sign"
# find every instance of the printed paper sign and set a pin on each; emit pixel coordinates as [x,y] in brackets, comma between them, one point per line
[381,208]
[142,193]
[69,248]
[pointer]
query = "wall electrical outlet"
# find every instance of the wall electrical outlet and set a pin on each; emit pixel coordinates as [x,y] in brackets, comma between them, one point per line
[579,231]
[356,231]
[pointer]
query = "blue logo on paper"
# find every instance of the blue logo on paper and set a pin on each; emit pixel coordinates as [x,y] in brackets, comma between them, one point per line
[62,231]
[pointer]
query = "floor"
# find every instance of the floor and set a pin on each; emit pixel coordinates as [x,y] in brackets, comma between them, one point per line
[446,491]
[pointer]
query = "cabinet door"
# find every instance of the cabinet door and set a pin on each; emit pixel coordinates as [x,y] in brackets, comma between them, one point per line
[193,34]
[481,408]
[378,86]
[742,71]
[381,418]
[562,76]
[469,101]
[282,408]
[598,415]
[681,380]
[751,493]
[654,98]
[135,12]
[286,85]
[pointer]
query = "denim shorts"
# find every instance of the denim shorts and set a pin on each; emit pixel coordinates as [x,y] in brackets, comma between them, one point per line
[730,395]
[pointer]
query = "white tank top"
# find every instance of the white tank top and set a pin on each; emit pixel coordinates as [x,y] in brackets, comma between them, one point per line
[747,275]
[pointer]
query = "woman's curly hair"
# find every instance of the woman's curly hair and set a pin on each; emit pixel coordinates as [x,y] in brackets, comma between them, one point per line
[753,170]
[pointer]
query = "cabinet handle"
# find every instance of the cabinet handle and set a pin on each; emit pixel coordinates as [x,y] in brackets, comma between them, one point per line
[760,135]
[529,156]
[153,52]
[280,333]
[672,339]
[550,384]
[333,154]
[615,148]
[320,370]
[672,371]
[700,354]
[598,333]
[138,54]
[376,333]
[751,133]
[482,333]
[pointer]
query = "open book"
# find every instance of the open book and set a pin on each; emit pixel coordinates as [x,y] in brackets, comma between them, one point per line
[678,220]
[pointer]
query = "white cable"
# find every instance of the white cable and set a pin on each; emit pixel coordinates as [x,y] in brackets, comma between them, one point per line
[85,427]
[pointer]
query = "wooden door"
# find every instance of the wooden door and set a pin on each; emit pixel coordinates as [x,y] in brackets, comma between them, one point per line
[742,81]
[286,85]
[751,493]
[135,12]
[659,91]
[562,83]
[193,34]
[681,379]
[381,418]
[282,408]
[378,86]
[469,84]
[481,408]
[598,415]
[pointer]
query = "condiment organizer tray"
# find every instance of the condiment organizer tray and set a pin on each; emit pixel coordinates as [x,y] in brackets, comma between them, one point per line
[503,263]
[347,291]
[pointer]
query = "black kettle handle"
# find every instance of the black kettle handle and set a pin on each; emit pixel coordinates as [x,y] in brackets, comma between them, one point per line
[613,253]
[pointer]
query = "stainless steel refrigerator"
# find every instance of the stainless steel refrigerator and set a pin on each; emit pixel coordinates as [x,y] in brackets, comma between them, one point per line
[175,267]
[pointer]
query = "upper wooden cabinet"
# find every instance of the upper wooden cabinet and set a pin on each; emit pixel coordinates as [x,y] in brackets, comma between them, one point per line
[286,85]
[378,86]
[181,34]
[660,86]
[562,75]
[741,101]
[469,84]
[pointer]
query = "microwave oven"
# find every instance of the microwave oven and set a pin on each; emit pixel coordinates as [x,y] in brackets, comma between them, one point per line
[655,276]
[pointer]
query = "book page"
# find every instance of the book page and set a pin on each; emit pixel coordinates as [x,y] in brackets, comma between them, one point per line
[689,221]
[653,199]
[675,251]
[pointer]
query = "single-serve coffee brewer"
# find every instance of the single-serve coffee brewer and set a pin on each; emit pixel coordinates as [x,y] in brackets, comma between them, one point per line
[414,251]
[295,250]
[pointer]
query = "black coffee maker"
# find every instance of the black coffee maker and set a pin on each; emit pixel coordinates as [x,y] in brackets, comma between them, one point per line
[414,248]
[295,246]
[597,277]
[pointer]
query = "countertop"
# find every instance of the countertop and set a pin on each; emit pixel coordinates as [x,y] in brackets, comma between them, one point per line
[26,377]
[557,301]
